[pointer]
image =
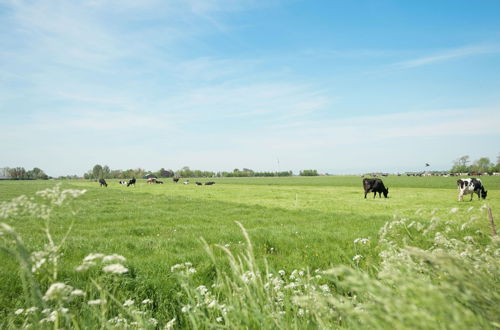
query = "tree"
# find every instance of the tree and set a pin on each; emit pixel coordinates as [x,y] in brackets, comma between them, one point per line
[106,172]
[460,165]
[482,165]
[17,173]
[309,173]
[97,172]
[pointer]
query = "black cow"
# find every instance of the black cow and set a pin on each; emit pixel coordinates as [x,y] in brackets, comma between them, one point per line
[102,182]
[131,182]
[175,179]
[159,182]
[198,183]
[375,186]
[471,186]
[209,183]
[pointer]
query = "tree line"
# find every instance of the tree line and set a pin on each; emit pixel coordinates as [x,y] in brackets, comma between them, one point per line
[104,172]
[481,165]
[20,173]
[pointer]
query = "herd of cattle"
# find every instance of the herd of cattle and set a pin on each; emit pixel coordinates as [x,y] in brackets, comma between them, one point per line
[465,186]
[468,186]
[132,181]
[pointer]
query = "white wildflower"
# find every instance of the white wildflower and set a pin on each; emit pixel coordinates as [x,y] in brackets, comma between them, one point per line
[454,210]
[219,319]
[325,288]
[77,292]
[227,245]
[170,324]
[281,272]
[128,302]
[153,321]
[191,270]
[32,309]
[186,308]
[51,318]
[57,291]
[86,265]
[96,302]
[300,312]
[202,290]
[357,257]
[19,311]
[114,257]
[93,256]
[147,301]
[115,269]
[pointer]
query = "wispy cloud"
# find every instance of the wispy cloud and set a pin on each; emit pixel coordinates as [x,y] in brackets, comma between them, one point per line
[447,55]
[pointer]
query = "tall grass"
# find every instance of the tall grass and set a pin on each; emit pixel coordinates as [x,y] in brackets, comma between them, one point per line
[432,274]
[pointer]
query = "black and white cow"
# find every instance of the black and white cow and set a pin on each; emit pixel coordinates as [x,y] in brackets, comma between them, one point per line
[209,183]
[470,186]
[102,182]
[123,182]
[375,186]
[131,182]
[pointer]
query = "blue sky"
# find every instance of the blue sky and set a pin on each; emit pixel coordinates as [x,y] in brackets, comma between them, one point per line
[338,86]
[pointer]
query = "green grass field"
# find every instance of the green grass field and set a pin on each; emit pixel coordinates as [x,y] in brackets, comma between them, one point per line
[294,223]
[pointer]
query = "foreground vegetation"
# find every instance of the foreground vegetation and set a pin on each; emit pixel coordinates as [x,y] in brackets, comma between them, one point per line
[313,254]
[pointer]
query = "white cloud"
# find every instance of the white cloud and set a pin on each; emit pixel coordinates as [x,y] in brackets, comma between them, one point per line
[449,54]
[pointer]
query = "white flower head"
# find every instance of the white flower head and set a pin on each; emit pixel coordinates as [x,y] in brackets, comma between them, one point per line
[357,257]
[170,324]
[128,302]
[115,269]
[77,292]
[114,257]
[93,256]
[96,302]
[57,291]
[147,301]
[19,311]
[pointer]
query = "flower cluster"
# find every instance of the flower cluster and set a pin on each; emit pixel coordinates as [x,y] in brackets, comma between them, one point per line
[93,259]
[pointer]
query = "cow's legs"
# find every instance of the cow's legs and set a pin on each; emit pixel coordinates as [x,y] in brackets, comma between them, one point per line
[366,192]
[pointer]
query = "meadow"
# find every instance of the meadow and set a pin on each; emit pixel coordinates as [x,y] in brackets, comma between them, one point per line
[293,223]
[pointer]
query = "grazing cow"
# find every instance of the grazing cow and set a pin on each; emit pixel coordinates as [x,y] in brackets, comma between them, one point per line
[159,182]
[131,182]
[375,186]
[198,183]
[186,182]
[151,180]
[209,183]
[470,186]
[102,182]
[122,182]
[175,179]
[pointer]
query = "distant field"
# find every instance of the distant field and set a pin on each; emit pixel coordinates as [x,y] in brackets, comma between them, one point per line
[294,222]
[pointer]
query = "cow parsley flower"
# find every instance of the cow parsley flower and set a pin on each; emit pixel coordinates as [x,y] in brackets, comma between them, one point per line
[96,302]
[19,311]
[114,257]
[115,269]
[357,257]
[58,291]
[170,324]
[128,302]
[147,301]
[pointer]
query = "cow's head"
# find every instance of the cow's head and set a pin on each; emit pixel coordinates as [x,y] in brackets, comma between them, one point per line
[385,192]
[484,193]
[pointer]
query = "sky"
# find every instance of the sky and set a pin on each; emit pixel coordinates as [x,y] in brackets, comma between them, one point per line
[338,86]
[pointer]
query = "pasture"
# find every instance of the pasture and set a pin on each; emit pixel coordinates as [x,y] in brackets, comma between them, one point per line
[293,223]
